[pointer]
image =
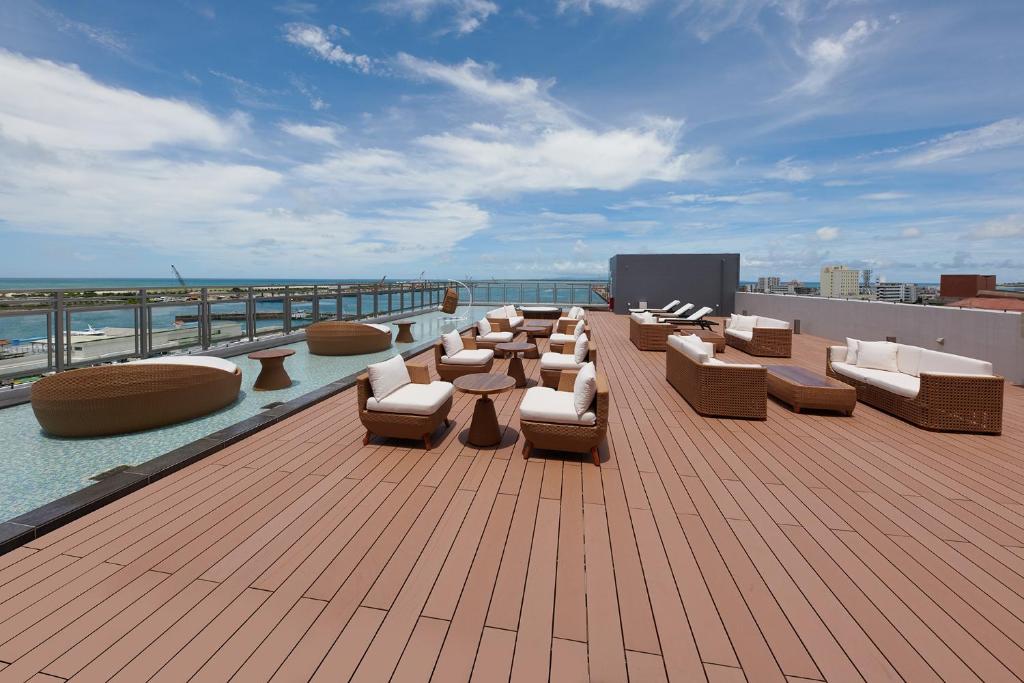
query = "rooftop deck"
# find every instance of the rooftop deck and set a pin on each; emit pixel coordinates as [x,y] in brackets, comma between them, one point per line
[805,547]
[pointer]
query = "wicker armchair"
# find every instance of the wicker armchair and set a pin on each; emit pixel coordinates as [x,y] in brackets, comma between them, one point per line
[341,338]
[774,341]
[501,322]
[400,425]
[717,389]
[550,377]
[449,371]
[945,402]
[649,336]
[570,437]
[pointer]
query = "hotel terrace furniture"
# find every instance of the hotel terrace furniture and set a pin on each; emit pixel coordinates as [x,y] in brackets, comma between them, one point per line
[484,429]
[467,360]
[696,319]
[572,417]
[409,406]
[646,333]
[802,388]
[573,330]
[668,307]
[487,336]
[574,313]
[130,397]
[505,319]
[930,389]
[573,356]
[714,388]
[515,363]
[451,300]
[340,338]
[759,336]
[541,312]
[404,332]
[272,375]
[712,337]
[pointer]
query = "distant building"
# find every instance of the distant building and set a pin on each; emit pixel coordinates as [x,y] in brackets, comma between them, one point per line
[840,281]
[964,286]
[765,284]
[898,292]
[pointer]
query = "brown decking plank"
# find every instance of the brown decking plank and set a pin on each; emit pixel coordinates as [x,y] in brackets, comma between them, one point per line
[569,662]
[417,662]
[494,657]
[604,630]
[645,667]
[570,579]
[533,644]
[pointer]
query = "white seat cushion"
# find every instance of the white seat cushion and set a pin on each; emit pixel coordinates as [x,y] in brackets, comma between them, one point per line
[378,326]
[496,337]
[936,361]
[386,377]
[559,338]
[469,357]
[203,361]
[542,404]
[413,399]
[740,334]
[558,361]
[896,382]
[452,343]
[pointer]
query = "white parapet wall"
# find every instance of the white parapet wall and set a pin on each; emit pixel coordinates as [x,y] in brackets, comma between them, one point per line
[995,336]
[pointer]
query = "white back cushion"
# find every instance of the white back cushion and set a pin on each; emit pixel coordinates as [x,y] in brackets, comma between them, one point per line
[877,355]
[742,322]
[908,359]
[497,313]
[936,361]
[581,348]
[697,342]
[510,311]
[639,317]
[388,376]
[578,330]
[693,351]
[851,350]
[452,343]
[584,389]
[670,304]
[772,323]
[484,327]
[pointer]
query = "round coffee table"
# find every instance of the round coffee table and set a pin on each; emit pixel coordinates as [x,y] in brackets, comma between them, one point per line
[272,373]
[404,332]
[484,430]
[515,363]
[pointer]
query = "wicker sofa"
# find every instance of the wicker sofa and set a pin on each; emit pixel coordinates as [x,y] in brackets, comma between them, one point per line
[759,336]
[714,388]
[646,333]
[553,363]
[130,397]
[341,338]
[930,389]
[414,411]
[505,318]
[548,418]
[470,360]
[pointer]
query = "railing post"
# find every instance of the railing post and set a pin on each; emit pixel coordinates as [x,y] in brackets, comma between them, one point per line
[59,348]
[287,306]
[316,304]
[554,292]
[143,315]
[205,331]
[376,301]
[250,314]
[391,290]
[341,304]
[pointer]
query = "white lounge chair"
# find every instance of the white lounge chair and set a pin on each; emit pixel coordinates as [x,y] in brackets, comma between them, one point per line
[668,307]
[695,318]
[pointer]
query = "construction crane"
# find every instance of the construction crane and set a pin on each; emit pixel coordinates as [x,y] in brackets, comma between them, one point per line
[181,280]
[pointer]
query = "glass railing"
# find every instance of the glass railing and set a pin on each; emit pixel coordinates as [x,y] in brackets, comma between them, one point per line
[52,330]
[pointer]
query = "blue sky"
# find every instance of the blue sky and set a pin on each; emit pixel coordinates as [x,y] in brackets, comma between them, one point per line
[491,138]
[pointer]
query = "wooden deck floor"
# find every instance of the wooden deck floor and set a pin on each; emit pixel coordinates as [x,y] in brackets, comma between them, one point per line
[806,547]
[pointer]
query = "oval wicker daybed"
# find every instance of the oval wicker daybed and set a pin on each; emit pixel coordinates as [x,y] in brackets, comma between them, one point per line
[340,338]
[541,312]
[130,397]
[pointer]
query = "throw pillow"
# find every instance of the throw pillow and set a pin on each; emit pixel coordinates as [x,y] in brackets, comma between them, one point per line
[581,348]
[851,350]
[584,389]
[878,356]
[388,376]
[452,343]
[484,326]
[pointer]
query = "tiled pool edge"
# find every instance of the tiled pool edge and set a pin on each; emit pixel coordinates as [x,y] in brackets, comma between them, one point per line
[30,525]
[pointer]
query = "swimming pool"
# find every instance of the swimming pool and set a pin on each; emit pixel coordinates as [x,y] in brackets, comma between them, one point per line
[36,468]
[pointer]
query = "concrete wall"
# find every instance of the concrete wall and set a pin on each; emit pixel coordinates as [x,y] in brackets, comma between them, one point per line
[701,279]
[995,336]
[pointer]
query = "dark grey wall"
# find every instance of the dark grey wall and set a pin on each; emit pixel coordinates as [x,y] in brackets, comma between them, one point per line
[701,279]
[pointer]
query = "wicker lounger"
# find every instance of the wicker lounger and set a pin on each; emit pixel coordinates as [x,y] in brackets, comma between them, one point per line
[571,438]
[718,390]
[398,425]
[341,338]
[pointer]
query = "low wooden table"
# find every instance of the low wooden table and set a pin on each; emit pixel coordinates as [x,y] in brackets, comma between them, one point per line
[802,388]
[710,336]
[537,329]
[404,332]
[484,430]
[515,363]
[272,376]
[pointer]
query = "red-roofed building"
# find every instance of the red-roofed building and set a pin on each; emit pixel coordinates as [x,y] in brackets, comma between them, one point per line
[991,303]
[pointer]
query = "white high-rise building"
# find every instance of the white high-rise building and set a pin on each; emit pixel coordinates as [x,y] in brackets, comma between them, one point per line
[901,292]
[765,284]
[839,281]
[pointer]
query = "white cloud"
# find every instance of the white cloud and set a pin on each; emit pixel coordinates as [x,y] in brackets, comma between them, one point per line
[57,105]
[827,234]
[327,135]
[828,56]
[911,232]
[103,37]
[468,15]
[791,170]
[1000,228]
[884,196]
[1001,134]
[318,41]
[671,200]
[587,5]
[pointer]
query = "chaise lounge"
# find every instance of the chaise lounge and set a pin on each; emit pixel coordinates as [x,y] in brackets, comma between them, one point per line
[342,338]
[455,356]
[759,336]
[657,311]
[571,417]
[695,319]
[398,400]
[930,389]
[573,356]
[714,388]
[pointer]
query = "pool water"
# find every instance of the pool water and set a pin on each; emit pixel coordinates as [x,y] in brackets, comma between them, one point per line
[36,468]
